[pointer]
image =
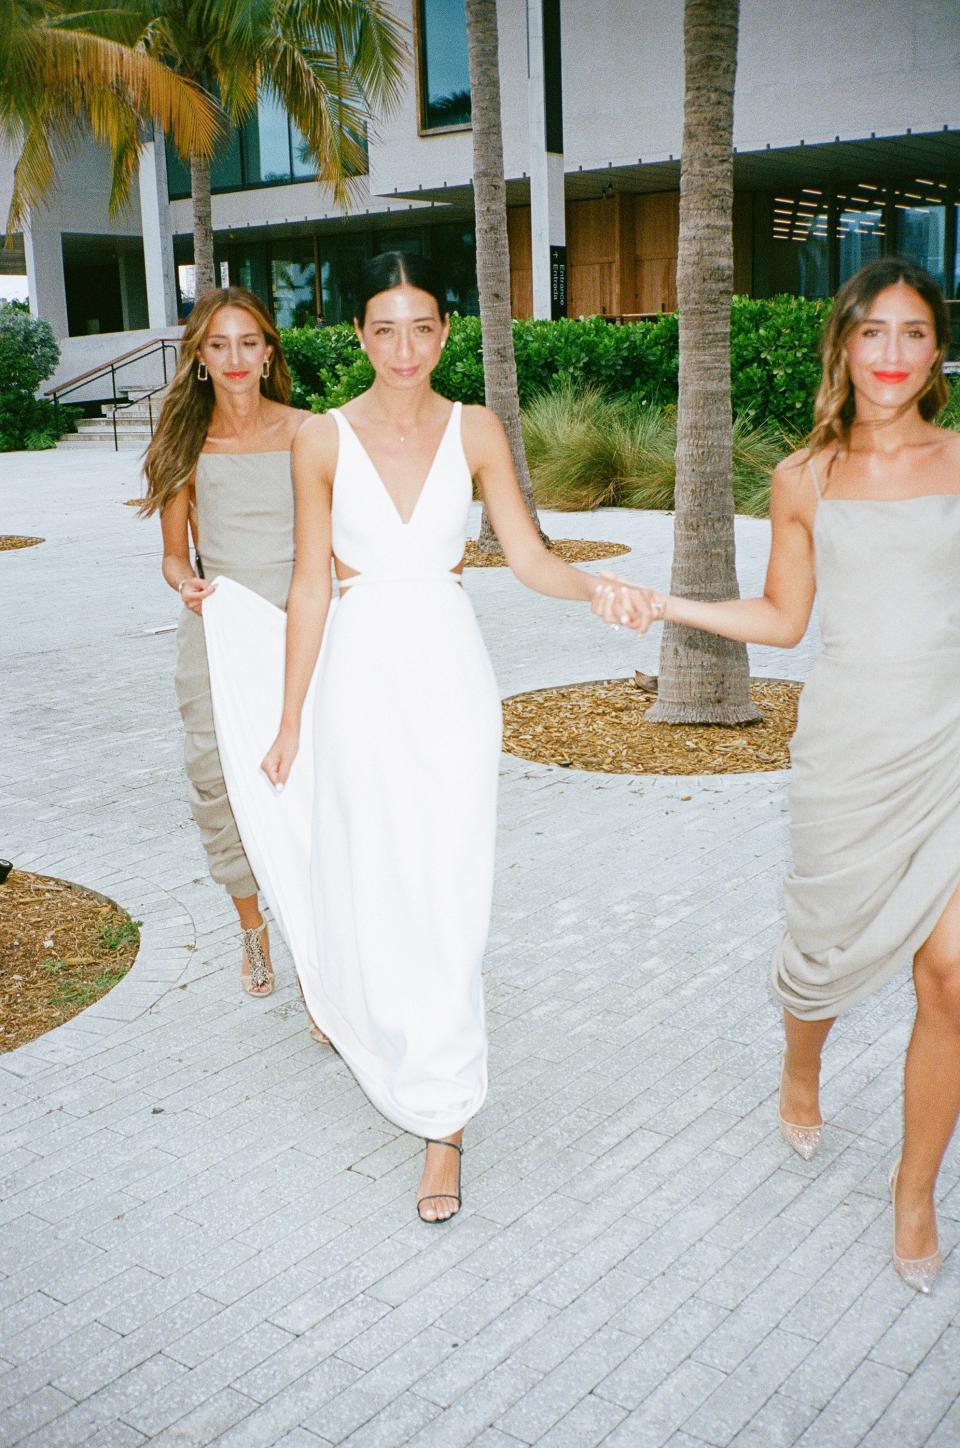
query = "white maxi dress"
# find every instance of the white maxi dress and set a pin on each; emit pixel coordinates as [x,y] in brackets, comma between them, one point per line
[377,858]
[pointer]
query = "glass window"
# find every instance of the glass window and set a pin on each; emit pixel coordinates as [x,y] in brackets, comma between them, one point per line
[861,227]
[187,282]
[341,258]
[444,68]
[266,143]
[293,283]
[921,225]
[303,167]
[178,174]
[453,250]
[226,173]
[799,257]
[399,238]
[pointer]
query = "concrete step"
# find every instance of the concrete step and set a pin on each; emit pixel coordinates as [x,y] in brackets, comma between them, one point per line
[77,440]
[103,426]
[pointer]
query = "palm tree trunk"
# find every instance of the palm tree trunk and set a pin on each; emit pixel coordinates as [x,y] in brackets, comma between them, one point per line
[705,679]
[493,248]
[205,277]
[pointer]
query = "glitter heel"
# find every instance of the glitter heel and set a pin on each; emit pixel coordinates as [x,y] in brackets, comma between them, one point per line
[258,980]
[920,1273]
[804,1140]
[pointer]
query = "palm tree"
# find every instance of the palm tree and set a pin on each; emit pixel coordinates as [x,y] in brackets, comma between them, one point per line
[327,61]
[704,679]
[493,248]
[60,69]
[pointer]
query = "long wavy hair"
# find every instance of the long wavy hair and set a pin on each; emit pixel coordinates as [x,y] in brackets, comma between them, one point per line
[184,420]
[833,410]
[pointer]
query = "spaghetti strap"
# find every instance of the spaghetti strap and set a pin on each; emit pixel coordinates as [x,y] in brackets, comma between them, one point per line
[815,475]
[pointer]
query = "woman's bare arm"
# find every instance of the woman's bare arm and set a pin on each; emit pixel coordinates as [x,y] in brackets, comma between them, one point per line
[780,616]
[174,527]
[490,459]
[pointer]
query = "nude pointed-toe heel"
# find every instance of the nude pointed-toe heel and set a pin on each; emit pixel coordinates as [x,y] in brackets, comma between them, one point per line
[920,1273]
[804,1140]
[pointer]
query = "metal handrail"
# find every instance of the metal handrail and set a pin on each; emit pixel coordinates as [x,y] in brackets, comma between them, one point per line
[121,359]
[125,359]
[134,402]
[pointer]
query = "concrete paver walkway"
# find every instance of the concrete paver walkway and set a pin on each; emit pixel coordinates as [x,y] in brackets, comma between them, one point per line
[208,1233]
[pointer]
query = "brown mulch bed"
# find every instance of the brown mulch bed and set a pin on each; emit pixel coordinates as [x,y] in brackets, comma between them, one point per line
[600,726]
[571,550]
[62,948]
[9,541]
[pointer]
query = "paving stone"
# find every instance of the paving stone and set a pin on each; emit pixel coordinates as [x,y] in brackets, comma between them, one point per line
[855,1408]
[640,1260]
[212,1417]
[743,1393]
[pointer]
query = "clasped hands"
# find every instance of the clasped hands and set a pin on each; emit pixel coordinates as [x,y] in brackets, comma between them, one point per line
[618,601]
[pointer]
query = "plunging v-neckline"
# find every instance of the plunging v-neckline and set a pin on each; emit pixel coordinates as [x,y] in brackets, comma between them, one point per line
[404,522]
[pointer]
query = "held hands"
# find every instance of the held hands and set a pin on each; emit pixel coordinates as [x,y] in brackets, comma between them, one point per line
[619,601]
[194,591]
[278,760]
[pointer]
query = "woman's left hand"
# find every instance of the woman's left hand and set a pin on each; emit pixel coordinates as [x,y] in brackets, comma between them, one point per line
[620,602]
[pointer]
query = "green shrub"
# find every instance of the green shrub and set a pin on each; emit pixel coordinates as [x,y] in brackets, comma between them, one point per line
[28,355]
[774,356]
[950,416]
[775,359]
[586,451]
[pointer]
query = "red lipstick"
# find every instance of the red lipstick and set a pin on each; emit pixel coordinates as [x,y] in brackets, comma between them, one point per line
[891,376]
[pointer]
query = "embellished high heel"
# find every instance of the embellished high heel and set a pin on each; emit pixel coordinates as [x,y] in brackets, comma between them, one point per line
[920,1273]
[445,1196]
[804,1140]
[260,975]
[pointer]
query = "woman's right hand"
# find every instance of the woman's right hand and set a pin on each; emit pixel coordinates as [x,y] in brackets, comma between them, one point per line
[278,760]
[194,591]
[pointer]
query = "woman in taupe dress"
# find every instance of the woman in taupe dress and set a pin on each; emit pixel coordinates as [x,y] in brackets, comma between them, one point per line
[219,467]
[868,516]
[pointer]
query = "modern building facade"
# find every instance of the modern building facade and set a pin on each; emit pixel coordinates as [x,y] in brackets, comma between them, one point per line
[847,136]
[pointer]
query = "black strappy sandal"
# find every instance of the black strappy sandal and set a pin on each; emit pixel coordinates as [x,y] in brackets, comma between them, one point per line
[447,1196]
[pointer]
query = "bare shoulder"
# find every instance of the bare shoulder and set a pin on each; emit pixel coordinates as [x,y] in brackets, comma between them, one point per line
[793,491]
[316,442]
[950,443]
[481,428]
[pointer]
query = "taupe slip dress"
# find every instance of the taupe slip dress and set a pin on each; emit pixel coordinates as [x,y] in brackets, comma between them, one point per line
[245,532]
[875,786]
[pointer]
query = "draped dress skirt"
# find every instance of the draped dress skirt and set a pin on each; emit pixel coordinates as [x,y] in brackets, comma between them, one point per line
[875,786]
[377,857]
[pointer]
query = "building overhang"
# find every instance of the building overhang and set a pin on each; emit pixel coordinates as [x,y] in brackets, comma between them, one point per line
[874,158]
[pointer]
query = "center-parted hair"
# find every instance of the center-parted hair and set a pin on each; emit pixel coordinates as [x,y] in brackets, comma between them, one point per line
[398,269]
[833,410]
[171,458]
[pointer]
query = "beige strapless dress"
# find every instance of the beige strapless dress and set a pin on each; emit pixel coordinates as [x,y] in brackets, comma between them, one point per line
[875,786]
[245,532]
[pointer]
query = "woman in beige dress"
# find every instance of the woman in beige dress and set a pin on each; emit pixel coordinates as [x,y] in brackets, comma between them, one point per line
[868,516]
[219,466]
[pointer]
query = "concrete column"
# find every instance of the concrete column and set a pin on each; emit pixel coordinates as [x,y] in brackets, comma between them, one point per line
[157,234]
[47,290]
[547,215]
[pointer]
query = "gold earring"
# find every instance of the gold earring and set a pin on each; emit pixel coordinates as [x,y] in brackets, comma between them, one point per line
[202,372]
[265,369]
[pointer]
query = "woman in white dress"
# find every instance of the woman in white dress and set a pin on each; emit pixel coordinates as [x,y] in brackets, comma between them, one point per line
[868,516]
[384,893]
